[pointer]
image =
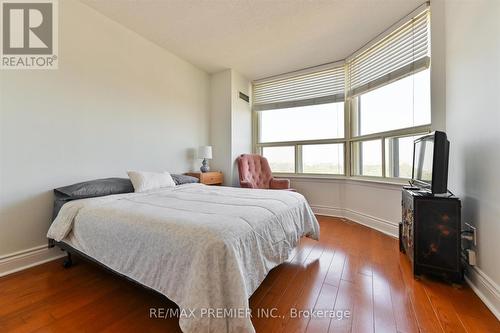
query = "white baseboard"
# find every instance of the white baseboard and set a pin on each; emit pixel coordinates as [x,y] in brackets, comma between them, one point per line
[485,288]
[384,226]
[18,261]
[328,211]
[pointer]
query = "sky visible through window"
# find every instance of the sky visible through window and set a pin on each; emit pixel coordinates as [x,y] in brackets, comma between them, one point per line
[314,122]
[401,104]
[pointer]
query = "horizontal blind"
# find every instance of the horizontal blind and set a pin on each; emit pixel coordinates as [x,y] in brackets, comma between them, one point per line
[403,52]
[317,87]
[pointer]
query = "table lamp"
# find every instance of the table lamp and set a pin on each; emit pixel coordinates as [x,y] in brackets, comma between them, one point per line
[205,152]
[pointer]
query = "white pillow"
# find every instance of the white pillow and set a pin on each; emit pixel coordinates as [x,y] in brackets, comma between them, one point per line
[145,181]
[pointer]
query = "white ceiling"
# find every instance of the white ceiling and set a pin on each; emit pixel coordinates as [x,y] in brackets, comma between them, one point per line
[258,38]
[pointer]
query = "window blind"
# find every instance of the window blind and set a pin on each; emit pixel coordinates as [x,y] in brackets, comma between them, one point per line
[403,52]
[314,87]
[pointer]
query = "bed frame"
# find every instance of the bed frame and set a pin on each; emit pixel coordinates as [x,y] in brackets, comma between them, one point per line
[68,262]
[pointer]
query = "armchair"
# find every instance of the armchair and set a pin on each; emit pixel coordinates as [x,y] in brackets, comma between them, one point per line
[255,172]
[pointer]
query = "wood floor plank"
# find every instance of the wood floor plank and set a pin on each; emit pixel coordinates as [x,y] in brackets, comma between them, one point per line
[352,268]
[473,314]
[384,321]
[315,278]
[425,315]
[270,301]
[386,263]
[304,249]
[402,309]
[335,272]
[443,307]
[292,293]
[344,302]
[362,320]
[320,322]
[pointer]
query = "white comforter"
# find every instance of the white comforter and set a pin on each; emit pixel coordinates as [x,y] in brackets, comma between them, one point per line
[203,247]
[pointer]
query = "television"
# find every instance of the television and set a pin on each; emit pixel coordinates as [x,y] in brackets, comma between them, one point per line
[430,162]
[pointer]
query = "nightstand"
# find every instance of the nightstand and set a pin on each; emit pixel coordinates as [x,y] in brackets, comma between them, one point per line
[208,178]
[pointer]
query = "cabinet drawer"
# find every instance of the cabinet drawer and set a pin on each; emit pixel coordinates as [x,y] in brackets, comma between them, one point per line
[211,178]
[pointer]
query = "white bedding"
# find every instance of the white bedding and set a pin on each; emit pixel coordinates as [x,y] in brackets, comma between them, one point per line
[201,246]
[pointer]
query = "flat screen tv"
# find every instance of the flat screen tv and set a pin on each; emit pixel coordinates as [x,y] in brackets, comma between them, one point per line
[430,162]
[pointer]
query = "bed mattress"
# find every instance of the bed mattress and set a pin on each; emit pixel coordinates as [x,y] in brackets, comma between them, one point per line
[206,248]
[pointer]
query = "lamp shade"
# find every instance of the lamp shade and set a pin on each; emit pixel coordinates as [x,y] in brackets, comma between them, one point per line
[205,152]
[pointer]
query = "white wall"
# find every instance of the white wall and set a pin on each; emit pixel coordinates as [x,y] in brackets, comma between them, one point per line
[376,205]
[220,123]
[438,68]
[241,122]
[473,127]
[231,122]
[117,102]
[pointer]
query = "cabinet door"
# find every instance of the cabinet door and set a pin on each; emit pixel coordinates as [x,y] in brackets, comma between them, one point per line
[437,234]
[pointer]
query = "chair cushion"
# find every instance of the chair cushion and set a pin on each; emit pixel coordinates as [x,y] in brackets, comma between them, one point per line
[255,169]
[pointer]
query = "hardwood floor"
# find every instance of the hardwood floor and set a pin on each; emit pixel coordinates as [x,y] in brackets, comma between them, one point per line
[351,268]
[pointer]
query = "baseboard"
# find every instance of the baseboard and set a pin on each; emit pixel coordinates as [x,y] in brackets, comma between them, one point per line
[18,261]
[328,211]
[386,227]
[485,288]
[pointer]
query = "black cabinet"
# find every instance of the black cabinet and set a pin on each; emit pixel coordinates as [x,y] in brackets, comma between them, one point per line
[429,234]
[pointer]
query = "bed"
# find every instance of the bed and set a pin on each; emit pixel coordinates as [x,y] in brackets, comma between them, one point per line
[206,248]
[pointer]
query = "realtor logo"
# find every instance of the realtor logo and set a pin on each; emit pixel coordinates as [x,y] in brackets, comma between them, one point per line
[29,34]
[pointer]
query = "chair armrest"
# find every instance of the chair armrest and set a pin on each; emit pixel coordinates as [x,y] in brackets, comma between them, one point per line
[245,184]
[279,184]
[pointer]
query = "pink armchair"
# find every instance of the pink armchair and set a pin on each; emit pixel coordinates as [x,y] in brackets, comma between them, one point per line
[255,173]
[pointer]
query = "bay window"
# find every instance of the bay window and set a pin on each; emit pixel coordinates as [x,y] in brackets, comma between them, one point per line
[357,117]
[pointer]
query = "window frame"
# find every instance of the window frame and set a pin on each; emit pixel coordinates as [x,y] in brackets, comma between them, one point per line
[347,141]
[298,146]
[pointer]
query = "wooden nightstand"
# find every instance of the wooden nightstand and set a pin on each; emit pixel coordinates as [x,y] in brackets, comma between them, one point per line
[208,178]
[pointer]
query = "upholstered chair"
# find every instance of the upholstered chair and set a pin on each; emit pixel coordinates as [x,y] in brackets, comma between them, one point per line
[255,173]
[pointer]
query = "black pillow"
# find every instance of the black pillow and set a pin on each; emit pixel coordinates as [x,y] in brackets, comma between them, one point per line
[96,188]
[91,189]
[184,179]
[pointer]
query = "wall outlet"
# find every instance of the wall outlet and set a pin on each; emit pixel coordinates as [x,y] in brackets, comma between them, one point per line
[474,232]
[471,257]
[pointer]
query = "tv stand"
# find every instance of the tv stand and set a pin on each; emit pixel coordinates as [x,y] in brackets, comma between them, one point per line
[429,233]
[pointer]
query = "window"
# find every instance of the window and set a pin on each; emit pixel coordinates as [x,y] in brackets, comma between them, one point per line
[367,158]
[301,123]
[401,104]
[388,88]
[323,159]
[281,159]
[399,156]
[358,117]
[313,122]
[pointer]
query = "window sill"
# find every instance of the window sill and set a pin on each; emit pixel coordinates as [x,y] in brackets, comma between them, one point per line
[395,182]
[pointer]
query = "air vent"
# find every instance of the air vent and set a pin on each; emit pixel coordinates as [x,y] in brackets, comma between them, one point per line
[244,97]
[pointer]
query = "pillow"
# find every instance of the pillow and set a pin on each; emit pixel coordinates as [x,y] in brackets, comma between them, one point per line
[145,181]
[96,188]
[184,179]
[90,189]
